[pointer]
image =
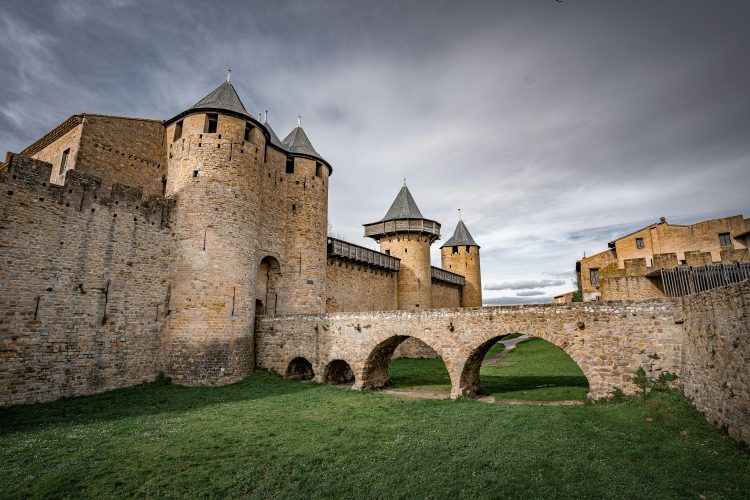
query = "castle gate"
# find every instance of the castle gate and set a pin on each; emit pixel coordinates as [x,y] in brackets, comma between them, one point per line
[609,342]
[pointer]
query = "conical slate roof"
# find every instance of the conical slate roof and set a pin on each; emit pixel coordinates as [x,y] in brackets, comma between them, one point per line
[403,207]
[297,142]
[461,236]
[274,138]
[224,97]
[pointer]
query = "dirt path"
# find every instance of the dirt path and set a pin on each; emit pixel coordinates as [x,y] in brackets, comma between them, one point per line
[509,346]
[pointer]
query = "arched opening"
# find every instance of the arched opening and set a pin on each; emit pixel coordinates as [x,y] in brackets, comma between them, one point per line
[418,375]
[338,372]
[300,369]
[523,367]
[267,287]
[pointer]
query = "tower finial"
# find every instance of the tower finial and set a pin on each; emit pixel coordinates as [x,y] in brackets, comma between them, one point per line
[265,120]
[229,74]
[299,120]
[459,214]
[404,181]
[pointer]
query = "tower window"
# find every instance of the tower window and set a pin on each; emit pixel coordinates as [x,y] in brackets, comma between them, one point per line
[388,252]
[639,243]
[177,130]
[318,169]
[725,239]
[594,276]
[64,160]
[294,207]
[455,250]
[163,185]
[290,165]
[467,248]
[248,130]
[212,123]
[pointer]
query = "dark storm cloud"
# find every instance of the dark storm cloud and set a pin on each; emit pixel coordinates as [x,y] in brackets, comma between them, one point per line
[539,119]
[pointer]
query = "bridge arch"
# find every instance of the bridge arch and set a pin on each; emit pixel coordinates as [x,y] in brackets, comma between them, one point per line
[300,369]
[469,380]
[338,372]
[376,368]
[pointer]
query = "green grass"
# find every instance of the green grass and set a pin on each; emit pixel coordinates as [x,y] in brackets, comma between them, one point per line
[540,372]
[267,437]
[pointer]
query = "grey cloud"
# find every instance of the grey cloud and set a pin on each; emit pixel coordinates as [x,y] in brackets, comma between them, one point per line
[530,293]
[630,116]
[524,284]
[516,301]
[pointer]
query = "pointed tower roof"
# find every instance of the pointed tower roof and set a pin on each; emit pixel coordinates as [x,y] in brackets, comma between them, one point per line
[461,237]
[403,207]
[224,97]
[298,142]
[403,217]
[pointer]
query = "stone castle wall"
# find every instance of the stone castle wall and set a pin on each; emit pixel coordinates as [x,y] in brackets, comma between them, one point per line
[444,295]
[716,353]
[83,284]
[359,287]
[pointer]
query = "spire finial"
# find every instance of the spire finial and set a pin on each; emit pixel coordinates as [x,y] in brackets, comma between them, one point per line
[265,120]
[299,120]
[229,74]
[459,214]
[404,181]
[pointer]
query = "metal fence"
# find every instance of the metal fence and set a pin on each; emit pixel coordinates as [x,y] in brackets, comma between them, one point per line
[679,281]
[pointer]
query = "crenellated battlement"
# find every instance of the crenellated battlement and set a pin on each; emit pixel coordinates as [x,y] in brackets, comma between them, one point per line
[82,192]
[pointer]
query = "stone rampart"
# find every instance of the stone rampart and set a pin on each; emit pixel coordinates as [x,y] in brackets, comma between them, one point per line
[716,356]
[83,284]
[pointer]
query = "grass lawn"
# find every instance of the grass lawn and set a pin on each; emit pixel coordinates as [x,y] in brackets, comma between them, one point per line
[268,437]
[540,372]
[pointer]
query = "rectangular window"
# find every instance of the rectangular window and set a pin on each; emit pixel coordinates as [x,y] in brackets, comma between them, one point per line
[212,123]
[318,169]
[387,252]
[454,250]
[248,131]
[594,276]
[725,239]
[639,243]
[177,130]
[64,160]
[467,249]
[290,165]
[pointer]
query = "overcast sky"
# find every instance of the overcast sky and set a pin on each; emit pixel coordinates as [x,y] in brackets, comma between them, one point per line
[555,126]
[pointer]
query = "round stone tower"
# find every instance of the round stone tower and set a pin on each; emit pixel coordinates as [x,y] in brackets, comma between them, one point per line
[460,255]
[306,213]
[215,152]
[405,234]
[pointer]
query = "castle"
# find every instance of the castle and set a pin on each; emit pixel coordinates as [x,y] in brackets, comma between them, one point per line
[142,246]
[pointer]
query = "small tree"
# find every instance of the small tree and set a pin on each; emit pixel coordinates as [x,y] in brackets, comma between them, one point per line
[578,296]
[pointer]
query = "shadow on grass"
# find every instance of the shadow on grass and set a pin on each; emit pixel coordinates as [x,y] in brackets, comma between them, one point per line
[144,399]
[499,384]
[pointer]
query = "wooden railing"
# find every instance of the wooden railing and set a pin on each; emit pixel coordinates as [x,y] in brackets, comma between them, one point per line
[349,251]
[686,280]
[447,276]
[403,226]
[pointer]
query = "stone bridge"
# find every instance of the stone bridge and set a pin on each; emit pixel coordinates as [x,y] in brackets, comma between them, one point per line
[609,342]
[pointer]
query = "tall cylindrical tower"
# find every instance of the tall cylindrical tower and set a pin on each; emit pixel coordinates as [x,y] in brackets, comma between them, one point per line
[405,234]
[460,254]
[215,151]
[306,214]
